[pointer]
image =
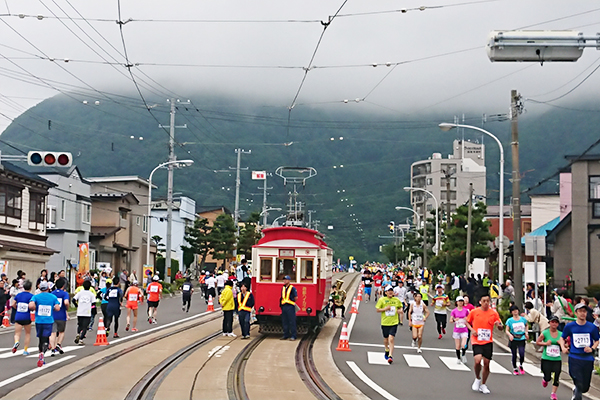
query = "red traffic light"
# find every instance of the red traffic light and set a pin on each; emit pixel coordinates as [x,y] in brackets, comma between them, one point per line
[49,159]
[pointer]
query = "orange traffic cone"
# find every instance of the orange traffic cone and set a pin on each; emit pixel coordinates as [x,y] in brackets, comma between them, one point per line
[101,336]
[32,315]
[359,298]
[343,343]
[210,307]
[6,320]
[354,309]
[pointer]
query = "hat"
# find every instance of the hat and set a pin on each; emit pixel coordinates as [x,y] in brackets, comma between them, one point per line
[43,285]
[287,277]
[389,287]
[155,278]
[460,298]
[207,273]
[578,306]
[438,286]
[109,280]
[228,283]
[554,318]
[134,282]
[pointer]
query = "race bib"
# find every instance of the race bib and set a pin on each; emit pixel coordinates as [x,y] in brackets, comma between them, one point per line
[113,294]
[485,335]
[153,289]
[22,307]
[423,290]
[85,300]
[553,351]
[391,312]
[133,297]
[417,317]
[439,303]
[186,288]
[519,328]
[461,323]
[44,311]
[581,340]
[367,282]
[60,301]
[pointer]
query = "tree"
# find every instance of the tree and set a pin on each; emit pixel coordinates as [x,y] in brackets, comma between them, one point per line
[249,236]
[198,238]
[222,238]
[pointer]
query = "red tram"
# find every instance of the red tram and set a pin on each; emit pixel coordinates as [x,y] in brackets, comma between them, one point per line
[302,254]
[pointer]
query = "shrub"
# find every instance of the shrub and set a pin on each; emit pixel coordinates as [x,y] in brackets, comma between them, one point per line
[593,290]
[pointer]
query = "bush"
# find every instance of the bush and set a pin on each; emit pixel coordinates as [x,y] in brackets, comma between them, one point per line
[593,290]
[503,311]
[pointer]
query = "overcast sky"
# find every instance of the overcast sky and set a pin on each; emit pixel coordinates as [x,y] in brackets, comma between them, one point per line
[235,48]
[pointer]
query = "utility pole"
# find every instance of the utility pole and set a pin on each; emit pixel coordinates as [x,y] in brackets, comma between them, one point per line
[172,157]
[424,232]
[236,213]
[310,218]
[515,101]
[468,261]
[447,174]
[264,209]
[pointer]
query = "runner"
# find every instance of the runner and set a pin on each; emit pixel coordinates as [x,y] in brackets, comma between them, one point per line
[211,283]
[60,317]
[551,361]
[114,295]
[154,291]
[584,339]
[133,296]
[377,280]
[424,290]
[441,302]
[516,330]
[417,316]
[481,322]
[400,293]
[83,299]
[43,304]
[20,305]
[368,282]
[186,294]
[461,332]
[389,307]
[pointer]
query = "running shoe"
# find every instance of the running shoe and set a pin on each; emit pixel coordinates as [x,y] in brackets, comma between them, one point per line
[292,339]
[76,339]
[149,320]
[544,383]
[52,352]
[183,308]
[476,384]
[15,347]
[521,370]
[484,389]
[107,331]
[553,396]
[81,343]
[231,334]
[400,323]
[127,327]
[154,321]
[387,354]
[41,360]
[390,360]
[134,330]
[59,349]
[25,353]
[464,359]
[516,372]
[116,335]
[412,344]
[440,336]
[419,350]
[458,361]
[444,331]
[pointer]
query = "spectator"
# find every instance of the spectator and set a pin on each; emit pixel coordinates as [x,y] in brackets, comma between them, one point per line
[43,277]
[509,291]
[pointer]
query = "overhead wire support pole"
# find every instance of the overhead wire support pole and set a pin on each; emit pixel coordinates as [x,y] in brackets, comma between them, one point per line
[236,212]
[515,104]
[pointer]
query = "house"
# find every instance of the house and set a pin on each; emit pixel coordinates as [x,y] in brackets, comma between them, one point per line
[23,204]
[211,213]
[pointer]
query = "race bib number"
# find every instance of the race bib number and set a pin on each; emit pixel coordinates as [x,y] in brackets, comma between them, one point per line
[153,289]
[44,311]
[186,288]
[519,328]
[417,317]
[22,307]
[113,294]
[85,300]
[439,303]
[461,323]
[367,282]
[133,297]
[391,312]
[485,335]
[60,301]
[423,290]
[581,340]
[553,351]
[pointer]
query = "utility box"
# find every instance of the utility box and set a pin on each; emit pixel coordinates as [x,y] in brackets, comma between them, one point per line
[537,46]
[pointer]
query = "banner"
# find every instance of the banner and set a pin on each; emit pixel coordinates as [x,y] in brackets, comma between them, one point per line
[147,272]
[4,267]
[84,258]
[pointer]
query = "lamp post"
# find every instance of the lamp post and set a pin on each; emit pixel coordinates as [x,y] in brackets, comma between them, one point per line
[178,163]
[446,127]
[275,220]
[416,214]
[266,210]
[437,223]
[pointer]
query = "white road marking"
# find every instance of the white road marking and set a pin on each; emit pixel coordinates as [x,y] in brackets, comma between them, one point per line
[532,370]
[222,351]
[18,353]
[352,320]
[415,361]
[376,358]
[363,377]
[496,368]
[33,371]
[422,348]
[214,350]
[453,365]
[66,349]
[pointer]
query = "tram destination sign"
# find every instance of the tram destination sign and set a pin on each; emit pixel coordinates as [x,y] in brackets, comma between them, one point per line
[286,253]
[259,175]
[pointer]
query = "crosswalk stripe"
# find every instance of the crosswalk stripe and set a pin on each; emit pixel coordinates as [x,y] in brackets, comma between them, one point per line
[451,363]
[66,349]
[18,353]
[532,370]
[496,368]
[415,361]
[376,358]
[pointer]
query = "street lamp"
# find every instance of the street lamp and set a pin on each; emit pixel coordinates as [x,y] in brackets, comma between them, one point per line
[446,127]
[177,163]
[416,214]
[266,211]
[275,220]
[437,222]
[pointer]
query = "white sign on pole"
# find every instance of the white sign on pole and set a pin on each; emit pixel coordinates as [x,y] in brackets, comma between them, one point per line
[259,175]
[530,243]
[530,271]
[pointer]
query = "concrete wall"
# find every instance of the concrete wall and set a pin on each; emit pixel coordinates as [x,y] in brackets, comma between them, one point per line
[544,208]
[565,194]
[562,254]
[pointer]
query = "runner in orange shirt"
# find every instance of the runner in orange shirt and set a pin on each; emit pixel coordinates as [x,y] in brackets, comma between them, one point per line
[154,291]
[481,322]
[133,295]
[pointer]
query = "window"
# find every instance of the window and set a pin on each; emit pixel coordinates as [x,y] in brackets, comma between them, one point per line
[37,207]
[526,227]
[86,215]
[123,214]
[145,224]
[307,269]
[266,268]
[444,193]
[595,187]
[448,169]
[51,223]
[429,181]
[137,220]
[596,210]
[286,266]
[63,210]
[10,201]
[452,182]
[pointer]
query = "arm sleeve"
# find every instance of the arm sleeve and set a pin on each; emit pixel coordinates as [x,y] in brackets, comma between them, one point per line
[566,332]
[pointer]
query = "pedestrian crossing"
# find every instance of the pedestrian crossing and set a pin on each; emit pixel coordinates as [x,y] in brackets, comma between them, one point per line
[419,361]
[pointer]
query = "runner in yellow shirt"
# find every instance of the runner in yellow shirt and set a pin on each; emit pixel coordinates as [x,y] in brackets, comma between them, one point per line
[389,306]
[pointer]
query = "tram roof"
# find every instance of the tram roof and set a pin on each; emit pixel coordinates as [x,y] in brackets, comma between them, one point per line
[288,236]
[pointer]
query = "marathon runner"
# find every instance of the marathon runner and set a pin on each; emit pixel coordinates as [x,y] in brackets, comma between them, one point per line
[84,299]
[516,330]
[20,307]
[378,279]
[461,332]
[114,295]
[133,295]
[186,294]
[43,304]
[440,302]
[550,340]
[154,294]
[389,307]
[400,293]
[417,315]
[424,290]
[481,322]
[368,282]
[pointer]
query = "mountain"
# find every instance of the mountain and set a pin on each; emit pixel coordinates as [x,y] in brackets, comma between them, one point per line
[363,160]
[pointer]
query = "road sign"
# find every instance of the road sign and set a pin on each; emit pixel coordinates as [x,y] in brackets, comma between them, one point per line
[530,245]
[259,175]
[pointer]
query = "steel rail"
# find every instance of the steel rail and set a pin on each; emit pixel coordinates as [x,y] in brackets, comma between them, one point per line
[236,388]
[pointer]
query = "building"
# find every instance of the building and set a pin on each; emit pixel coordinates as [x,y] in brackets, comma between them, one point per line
[69,216]
[119,222]
[183,215]
[211,213]
[449,178]
[544,208]
[23,205]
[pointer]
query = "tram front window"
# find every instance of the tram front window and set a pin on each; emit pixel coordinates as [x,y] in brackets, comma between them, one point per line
[286,266]
[307,269]
[265,268]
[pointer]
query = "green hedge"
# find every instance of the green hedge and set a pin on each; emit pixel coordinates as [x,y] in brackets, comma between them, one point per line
[593,290]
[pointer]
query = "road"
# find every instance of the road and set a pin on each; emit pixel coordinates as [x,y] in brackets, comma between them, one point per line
[16,368]
[432,374]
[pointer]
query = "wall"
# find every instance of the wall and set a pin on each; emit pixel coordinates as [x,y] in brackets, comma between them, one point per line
[544,209]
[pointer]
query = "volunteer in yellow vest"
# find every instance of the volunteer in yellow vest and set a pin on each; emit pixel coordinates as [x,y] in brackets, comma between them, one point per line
[287,303]
[244,303]
[424,290]
[494,294]
[228,307]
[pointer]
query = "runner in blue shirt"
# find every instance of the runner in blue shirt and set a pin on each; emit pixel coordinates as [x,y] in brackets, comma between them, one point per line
[114,296]
[584,339]
[43,304]
[517,332]
[20,305]
[60,317]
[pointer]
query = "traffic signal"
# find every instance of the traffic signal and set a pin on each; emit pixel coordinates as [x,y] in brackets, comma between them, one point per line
[49,159]
[392,227]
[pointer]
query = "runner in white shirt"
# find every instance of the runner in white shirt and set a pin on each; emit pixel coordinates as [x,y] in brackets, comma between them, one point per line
[417,316]
[210,282]
[221,279]
[400,293]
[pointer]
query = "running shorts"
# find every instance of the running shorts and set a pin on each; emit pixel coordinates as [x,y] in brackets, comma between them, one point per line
[43,330]
[417,326]
[485,350]
[460,335]
[24,322]
[368,290]
[389,330]
[153,303]
[59,326]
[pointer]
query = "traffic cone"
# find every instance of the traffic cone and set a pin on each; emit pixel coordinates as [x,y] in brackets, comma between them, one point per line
[210,307]
[6,320]
[359,298]
[32,315]
[343,343]
[101,336]
[354,309]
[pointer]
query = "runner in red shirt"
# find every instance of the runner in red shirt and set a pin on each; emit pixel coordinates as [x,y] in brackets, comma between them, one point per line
[377,279]
[154,291]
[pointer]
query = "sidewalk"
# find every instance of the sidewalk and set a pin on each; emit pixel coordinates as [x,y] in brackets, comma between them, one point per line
[501,340]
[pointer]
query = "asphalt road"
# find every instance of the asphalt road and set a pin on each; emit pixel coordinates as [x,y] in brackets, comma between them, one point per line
[17,368]
[434,374]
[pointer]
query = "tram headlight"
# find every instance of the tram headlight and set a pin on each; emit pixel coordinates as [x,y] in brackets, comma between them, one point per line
[308,310]
[261,309]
